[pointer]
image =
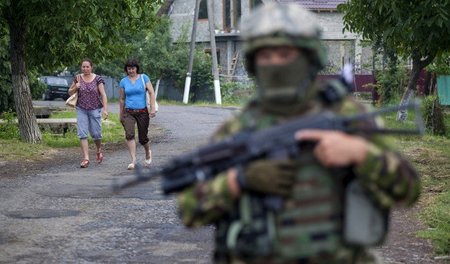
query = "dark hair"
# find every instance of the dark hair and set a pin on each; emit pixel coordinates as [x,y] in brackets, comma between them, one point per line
[132,63]
[88,60]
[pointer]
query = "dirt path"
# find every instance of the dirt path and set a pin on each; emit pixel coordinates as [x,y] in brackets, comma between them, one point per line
[55,212]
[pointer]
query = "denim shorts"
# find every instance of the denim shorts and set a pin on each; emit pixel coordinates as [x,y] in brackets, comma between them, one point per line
[89,121]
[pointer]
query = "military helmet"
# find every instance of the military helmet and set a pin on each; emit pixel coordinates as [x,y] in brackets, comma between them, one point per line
[277,24]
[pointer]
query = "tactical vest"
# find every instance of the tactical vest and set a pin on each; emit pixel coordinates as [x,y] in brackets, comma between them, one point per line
[309,223]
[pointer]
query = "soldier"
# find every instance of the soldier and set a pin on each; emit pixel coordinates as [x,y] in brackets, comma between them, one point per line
[284,54]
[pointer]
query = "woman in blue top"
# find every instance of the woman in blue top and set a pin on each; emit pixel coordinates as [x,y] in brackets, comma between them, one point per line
[133,109]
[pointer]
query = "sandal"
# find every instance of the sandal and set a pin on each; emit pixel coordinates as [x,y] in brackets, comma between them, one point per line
[99,157]
[147,162]
[131,166]
[84,163]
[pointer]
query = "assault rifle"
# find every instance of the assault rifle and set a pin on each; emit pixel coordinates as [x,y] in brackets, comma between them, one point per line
[364,223]
[240,149]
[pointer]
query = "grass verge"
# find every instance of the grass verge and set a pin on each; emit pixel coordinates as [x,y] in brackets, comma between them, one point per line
[431,157]
[13,149]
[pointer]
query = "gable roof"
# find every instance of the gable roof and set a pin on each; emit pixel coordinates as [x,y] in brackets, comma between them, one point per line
[330,5]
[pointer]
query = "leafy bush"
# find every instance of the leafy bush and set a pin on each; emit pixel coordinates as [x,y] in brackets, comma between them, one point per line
[162,59]
[9,129]
[37,87]
[433,115]
[441,65]
[236,92]
[390,84]
[6,93]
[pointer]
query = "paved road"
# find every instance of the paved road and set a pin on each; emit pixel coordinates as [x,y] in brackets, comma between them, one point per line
[66,214]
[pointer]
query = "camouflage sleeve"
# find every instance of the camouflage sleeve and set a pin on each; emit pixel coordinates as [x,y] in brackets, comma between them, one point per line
[205,202]
[388,176]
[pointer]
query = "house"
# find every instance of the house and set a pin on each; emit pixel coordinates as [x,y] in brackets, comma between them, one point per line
[342,47]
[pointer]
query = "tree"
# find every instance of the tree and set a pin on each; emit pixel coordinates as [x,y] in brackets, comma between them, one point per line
[46,34]
[415,29]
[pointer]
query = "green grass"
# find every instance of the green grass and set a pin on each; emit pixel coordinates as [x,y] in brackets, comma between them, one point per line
[431,157]
[9,137]
[14,149]
[64,114]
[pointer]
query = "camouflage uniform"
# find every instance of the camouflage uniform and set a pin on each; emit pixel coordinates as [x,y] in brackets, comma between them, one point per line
[309,227]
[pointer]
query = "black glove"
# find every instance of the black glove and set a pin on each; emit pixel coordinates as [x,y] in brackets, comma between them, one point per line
[269,176]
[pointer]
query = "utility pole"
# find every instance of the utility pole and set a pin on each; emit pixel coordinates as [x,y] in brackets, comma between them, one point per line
[187,83]
[212,41]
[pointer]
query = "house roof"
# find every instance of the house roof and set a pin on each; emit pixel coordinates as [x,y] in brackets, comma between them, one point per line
[317,4]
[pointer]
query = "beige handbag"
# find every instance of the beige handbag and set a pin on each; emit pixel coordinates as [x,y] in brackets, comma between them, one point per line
[72,100]
[149,107]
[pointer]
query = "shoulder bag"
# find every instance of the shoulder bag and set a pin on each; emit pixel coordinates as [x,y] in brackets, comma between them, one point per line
[147,96]
[72,100]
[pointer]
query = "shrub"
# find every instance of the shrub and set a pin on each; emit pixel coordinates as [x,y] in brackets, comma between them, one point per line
[9,129]
[390,84]
[433,115]
[236,92]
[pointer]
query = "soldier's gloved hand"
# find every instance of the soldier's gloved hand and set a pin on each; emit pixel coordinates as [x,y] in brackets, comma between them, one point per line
[268,176]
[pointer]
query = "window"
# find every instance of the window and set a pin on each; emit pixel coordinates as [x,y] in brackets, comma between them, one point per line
[203,10]
[232,11]
[255,3]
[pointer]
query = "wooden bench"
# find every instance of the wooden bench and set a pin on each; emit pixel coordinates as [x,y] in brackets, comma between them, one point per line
[57,124]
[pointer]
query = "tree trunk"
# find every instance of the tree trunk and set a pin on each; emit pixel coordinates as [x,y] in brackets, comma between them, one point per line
[427,83]
[29,130]
[418,65]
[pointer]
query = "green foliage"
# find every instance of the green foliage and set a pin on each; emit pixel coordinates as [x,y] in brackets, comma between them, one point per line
[162,59]
[441,65]
[6,94]
[236,93]
[413,29]
[407,26]
[37,87]
[433,116]
[77,29]
[390,84]
[9,129]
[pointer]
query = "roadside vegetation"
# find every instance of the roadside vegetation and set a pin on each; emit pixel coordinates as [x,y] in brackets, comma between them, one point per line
[430,154]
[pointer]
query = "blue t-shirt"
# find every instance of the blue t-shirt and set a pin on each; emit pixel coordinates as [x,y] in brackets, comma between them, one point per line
[135,97]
